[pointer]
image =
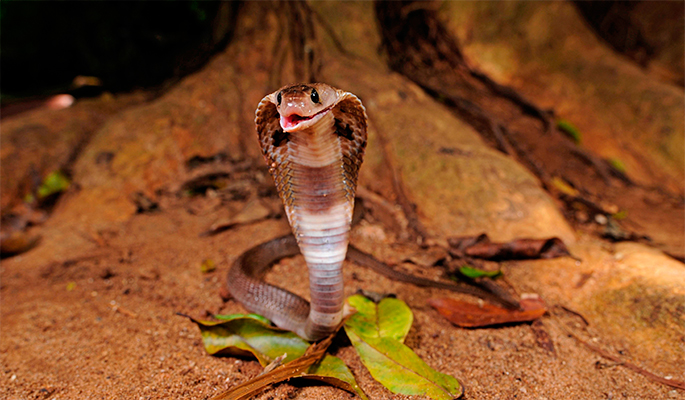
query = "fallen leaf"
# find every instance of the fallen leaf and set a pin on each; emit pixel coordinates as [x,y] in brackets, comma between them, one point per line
[531,302]
[474,273]
[619,215]
[390,318]
[460,243]
[333,371]
[399,369]
[542,337]
[482,247]
[470,315]
[617,164]
[376,332]
[236,316]
[244,334]
[570,130]
[564,187]
[207,266]
[55,182]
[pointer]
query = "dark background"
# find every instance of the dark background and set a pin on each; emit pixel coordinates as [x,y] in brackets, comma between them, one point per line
[133,44]
[125,44]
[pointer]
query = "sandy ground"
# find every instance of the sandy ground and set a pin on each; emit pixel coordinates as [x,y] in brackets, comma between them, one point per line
[104,325]
[91,313]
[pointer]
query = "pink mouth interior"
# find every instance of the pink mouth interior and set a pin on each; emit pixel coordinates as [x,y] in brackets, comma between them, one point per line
[293,120]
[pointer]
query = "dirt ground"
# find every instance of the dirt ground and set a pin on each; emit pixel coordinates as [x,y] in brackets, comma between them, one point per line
[92,311]
[104,325]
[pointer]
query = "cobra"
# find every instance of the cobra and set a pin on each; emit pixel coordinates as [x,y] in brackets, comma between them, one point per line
[313,138]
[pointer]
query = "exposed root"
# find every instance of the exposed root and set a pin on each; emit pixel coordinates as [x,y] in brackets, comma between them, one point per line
[328,29]
[416,229]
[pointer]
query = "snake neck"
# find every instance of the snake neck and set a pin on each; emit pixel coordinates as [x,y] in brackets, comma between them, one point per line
[320,215]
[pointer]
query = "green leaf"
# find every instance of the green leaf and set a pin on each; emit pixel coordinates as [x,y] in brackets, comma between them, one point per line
[617,164]
[622,214]
[245,335]
[564,187]
[207,266]
[391,318]
[570,130]
[333,371]
[399,369]
[55,182]
[377,333]
[471,272]
[236,316]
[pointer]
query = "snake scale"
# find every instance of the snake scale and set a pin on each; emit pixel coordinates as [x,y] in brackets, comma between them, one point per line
[313,138]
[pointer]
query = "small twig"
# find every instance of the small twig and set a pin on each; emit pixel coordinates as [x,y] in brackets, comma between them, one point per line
[277,362]
[647,374]
[292,369]
[576,313]
[117,308]
[604,353]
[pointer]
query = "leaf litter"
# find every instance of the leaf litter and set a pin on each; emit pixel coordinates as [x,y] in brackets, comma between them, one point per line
[377,332]
[284,354]
[470,315]
[518,249]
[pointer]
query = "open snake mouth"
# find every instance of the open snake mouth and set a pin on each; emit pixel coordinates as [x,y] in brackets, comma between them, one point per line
[292,122]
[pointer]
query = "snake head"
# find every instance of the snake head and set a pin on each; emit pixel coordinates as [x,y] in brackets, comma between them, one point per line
[296,108]
[300,106]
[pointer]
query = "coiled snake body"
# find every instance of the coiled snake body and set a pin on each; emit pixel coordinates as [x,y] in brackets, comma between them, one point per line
[313,138]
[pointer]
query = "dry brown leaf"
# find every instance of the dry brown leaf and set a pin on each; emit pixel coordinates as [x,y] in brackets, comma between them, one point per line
[471,315]
[482,247]
[295,368]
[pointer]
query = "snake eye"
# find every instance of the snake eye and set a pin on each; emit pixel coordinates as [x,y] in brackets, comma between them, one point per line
[279,98]
[315,96]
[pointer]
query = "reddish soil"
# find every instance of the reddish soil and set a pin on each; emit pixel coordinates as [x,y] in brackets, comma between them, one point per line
[104,324]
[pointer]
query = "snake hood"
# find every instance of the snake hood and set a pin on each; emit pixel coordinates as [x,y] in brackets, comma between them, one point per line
[313,138]
[313,125]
